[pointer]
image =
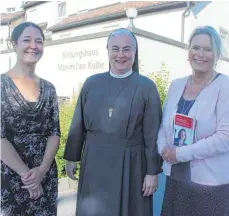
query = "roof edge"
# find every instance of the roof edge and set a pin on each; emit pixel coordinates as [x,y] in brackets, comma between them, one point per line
[32,4]
[141,11]
[160,38]
[136,31]
[8,21]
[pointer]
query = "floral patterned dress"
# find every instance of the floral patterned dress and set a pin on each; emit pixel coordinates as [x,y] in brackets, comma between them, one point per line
[27,127]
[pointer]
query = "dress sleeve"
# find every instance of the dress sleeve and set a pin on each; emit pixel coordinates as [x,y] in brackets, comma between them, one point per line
[54,124]
[76,135]
[3,108]
[3,128]
[151,124]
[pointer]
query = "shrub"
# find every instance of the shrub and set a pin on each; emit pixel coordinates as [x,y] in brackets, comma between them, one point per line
[65,114]
[162,81]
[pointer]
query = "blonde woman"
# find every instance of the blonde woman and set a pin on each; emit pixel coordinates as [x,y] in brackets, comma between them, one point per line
[198,174]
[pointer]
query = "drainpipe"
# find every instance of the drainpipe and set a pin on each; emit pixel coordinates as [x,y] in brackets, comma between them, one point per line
[184,15]
[8,39]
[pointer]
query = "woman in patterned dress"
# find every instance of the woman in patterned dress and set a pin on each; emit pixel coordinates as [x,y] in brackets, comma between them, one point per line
[198,174]
[29,131]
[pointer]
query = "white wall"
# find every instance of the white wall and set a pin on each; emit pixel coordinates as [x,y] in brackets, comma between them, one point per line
[73,6]
[4,31]
[153,53]
[156,23]
[46,12]
[67,65]
[95,28]
[7,61]
[215,14]
[9,4]
[166,23]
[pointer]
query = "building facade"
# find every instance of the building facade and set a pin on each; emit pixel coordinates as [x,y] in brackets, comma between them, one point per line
[75,45]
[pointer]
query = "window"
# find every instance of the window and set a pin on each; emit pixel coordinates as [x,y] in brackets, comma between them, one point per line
[224,34]
[10,9]
[61,9]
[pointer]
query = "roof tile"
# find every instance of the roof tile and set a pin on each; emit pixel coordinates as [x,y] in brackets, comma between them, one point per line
[7,17]
[107,10]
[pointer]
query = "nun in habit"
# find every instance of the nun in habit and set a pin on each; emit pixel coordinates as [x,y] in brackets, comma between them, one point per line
[113,133]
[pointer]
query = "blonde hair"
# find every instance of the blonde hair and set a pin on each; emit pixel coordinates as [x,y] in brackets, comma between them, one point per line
[215,40]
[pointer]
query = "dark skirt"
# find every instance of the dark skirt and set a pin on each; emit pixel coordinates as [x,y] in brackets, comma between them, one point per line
[111,177]
[191,199]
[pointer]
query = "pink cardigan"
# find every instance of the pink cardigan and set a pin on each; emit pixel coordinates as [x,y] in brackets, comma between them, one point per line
[209,155]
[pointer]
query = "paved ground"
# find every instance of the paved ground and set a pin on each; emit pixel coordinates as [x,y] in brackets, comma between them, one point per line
[67,200]
[67,204]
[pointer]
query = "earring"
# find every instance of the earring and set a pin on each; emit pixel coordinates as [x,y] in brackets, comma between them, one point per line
[188,59]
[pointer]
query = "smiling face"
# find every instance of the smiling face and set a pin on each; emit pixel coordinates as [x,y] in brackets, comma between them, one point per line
[201,54]
[29,46]
[121,53]
[182,135]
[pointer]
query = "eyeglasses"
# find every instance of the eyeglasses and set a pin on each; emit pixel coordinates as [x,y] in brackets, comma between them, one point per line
[197,49]
[116,50]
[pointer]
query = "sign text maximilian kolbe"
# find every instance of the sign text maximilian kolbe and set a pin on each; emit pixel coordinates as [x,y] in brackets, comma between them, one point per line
[81,60]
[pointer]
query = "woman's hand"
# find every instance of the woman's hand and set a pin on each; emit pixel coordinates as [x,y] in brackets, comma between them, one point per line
[71,169]
[150,185]
[35,193]
[33,178]
[169,154]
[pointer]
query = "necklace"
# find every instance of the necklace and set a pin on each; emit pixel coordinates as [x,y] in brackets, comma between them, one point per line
[188,107]
[112,104]
[193,101]
[211,78]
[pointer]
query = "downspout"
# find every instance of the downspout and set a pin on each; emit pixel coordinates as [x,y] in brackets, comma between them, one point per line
[8,42]
[8,39]
[184,15]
